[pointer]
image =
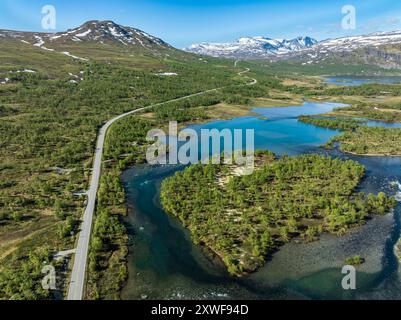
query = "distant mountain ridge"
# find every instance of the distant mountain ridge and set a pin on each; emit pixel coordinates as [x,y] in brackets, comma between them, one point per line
[380,48]
[253,47]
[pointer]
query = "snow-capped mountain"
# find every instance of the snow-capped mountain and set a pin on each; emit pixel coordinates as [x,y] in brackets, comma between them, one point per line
[94,31]
[357,42]
[381,48]
[253,47]
[105,31]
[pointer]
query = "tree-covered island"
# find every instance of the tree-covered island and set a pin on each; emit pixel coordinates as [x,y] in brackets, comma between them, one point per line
[358,138]
[244,219]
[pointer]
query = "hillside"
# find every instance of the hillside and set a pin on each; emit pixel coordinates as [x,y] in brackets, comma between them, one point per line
[102,41]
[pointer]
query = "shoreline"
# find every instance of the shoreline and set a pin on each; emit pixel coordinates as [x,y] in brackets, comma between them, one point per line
[371,154]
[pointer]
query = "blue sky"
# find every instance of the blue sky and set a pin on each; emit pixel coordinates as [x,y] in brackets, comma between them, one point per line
[183,22]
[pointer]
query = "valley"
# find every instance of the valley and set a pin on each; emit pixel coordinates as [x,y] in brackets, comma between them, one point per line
[58,90]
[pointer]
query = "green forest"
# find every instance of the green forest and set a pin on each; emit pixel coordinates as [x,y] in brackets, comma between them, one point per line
[243,220]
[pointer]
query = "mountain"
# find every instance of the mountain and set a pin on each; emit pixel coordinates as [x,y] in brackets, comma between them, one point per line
[358,42]
[108,41]
[253,47]
[103,32]
[381,49]
[95,40]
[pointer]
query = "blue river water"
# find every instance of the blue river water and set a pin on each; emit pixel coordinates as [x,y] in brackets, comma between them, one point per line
[164,264]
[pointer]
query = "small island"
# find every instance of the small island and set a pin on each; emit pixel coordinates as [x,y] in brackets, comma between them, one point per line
[244,219]
[358,138]
[355,261]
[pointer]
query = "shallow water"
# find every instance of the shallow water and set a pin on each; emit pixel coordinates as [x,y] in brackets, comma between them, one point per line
[372,123]
[164,264]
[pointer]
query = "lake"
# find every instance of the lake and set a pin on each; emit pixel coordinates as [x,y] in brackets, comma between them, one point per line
[164,264]
[359,80]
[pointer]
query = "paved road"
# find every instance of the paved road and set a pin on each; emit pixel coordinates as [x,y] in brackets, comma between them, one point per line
[77,282]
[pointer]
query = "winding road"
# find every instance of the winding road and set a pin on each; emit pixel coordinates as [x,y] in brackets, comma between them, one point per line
[77,281]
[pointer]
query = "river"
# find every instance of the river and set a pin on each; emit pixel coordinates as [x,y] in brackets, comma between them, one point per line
[164,264]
